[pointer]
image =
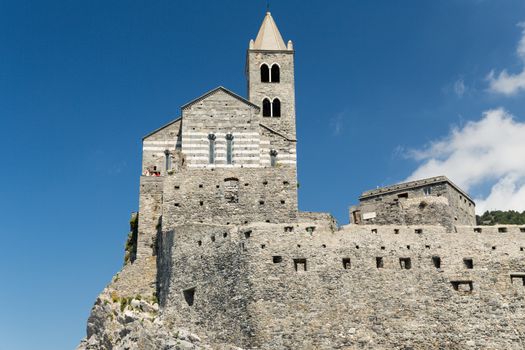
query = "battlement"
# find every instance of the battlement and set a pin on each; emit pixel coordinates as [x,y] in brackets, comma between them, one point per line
[300,280]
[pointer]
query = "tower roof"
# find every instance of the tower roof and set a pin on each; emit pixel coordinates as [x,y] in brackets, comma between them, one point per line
[269,37]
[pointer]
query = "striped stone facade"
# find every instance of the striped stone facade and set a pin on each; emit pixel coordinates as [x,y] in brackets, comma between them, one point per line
[224,161]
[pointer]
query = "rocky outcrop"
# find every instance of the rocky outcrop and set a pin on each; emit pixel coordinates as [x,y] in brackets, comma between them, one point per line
[126,315]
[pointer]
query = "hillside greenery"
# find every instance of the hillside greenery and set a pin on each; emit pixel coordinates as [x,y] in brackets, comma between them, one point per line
[509,217]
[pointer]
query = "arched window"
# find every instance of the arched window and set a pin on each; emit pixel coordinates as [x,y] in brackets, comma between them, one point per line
[267,108]
[229,146]
[265,74]
[211,159]
[276,76]
[273,158]
[276,108]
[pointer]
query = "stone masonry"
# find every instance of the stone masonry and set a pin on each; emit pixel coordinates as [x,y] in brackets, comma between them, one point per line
[430,201]
[222,258]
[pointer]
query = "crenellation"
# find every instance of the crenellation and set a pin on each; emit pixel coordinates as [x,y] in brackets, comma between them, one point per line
[435,263]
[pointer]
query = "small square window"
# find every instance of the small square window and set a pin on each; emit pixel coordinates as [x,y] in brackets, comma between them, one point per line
[469,263]
[299,264]
[346,263]
[436,260]
[277,259]
[405,263]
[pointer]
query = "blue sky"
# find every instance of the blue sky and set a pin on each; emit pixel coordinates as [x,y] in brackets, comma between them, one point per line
[386,90]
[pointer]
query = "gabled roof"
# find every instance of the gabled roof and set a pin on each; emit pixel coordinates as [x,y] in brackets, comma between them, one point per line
[162,127]
[269,37]
[277,132]
[217,89]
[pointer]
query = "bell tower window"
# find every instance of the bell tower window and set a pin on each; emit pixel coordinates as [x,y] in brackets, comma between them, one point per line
[211,159]
[265,73]
[276,108]
[229,146]
[276,76]
[267,108]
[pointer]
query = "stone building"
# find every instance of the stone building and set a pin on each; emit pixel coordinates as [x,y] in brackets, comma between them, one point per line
[432,201]
[227,159]
[223,249]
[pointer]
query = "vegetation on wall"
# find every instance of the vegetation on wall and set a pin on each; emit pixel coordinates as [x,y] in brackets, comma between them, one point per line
[131,242]
[509,217]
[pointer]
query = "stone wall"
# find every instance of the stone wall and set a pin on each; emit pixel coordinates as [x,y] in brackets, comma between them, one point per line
[220,113]
[150,213]
[284,90]
[305,286]
[230,196]
[155,145]
[427,204]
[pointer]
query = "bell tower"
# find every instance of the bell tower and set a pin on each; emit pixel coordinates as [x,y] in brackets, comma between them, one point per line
[270,74]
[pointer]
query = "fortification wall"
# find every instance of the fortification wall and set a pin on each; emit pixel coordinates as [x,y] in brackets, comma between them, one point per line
[303,286]
[150,213]
[428,204]
[202,281]
[230,196]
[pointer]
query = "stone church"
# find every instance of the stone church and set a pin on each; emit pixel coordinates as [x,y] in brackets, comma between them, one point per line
[219,248]
[228,159]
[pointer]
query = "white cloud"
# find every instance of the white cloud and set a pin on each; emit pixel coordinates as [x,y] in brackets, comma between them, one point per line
[510,84]
[336,123]
[460,88]
[489,153]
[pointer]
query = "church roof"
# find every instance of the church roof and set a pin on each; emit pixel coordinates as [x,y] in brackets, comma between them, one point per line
[162,127]
[269,37]
[220,88]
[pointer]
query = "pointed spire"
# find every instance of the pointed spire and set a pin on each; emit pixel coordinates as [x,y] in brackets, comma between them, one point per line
[269,37]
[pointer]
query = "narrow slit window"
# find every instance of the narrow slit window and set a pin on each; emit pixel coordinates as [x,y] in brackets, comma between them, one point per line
[229,149]
[436,260]
[273,158]
[379,262]
[211,139]
[168,160]
[346,263]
